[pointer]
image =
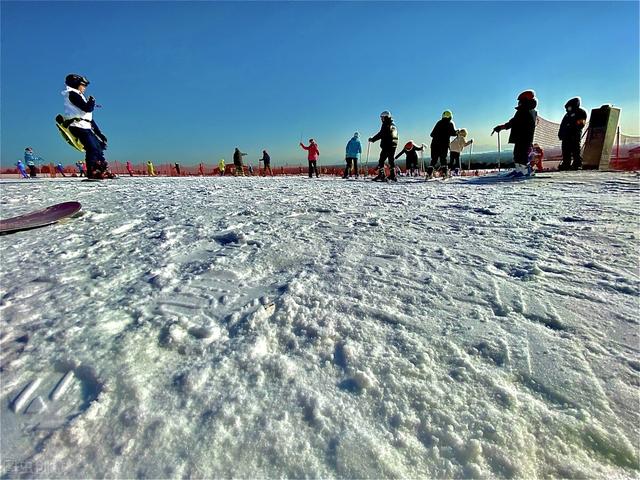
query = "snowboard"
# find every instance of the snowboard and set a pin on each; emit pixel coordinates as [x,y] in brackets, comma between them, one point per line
[40,218]
[66,134]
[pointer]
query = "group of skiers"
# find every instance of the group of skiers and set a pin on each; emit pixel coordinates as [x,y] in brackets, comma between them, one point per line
[78,118]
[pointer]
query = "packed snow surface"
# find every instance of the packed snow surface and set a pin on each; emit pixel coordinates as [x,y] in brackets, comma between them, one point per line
[294,327]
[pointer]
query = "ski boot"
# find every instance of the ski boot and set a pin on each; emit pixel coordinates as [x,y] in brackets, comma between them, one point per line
[381,177]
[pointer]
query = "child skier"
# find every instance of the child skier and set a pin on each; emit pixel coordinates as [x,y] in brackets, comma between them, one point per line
[221,166]
[388,136]
[353,151]
[78,113]
[456,148]
[150,170]
[80,167]
[21,169]
[60,169]
[411,151]
[129,168]
[312,157]
[523,126]
[441,135]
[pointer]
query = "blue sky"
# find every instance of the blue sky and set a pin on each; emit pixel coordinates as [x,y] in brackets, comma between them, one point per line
[189,81]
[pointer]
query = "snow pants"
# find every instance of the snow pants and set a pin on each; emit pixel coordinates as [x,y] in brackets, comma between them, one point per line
[388,154]
[94,159]
[352,163]
[313,167]
[454,160]
[571,150]
[521,153]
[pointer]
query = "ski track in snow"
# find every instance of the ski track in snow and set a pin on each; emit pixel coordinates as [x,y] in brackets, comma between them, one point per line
[419,330]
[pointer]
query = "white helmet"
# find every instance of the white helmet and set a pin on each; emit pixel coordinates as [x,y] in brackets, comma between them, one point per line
[386,113]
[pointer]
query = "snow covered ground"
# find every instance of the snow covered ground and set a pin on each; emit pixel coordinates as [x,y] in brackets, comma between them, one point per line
[418,329]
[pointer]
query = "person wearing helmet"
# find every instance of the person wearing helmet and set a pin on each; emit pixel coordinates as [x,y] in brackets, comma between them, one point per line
[411,151]
[388,136]
[456,148]
[78,113]
[21,169]
[441,135]
[221,167]
[312,156]
[150,170]
[353,151]
[570,134]
[522,126]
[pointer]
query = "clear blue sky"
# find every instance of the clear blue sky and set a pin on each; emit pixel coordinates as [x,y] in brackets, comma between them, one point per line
[189,81]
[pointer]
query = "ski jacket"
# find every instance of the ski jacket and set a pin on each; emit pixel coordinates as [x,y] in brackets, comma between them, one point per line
[221,165]
[78,107]
[354,148]
[388,134]
[522,125]
[442,132]
[458,144]
[314,152]
[237,157]
[412,155]
[30,159]
[573,122]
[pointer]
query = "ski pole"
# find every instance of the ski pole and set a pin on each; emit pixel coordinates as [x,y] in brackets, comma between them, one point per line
[366,165]
[498,151]
[470,150]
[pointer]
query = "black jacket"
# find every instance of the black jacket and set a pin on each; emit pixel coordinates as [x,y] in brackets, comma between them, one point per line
[412,155]
[523,124]
[388,134]
[573,122]
[442,132]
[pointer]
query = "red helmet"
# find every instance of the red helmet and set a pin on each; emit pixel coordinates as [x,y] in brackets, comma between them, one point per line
[409,145]
[527,95]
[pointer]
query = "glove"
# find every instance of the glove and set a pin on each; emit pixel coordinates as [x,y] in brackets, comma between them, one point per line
[370,139]
[471,140]
[92,98]
[496,129]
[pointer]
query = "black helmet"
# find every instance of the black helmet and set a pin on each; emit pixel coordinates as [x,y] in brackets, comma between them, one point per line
[74,81]
[574,102]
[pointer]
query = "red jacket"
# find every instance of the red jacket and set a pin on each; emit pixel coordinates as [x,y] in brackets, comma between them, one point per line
[314,153]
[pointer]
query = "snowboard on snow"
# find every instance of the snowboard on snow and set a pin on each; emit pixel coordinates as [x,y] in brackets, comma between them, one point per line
[40,218]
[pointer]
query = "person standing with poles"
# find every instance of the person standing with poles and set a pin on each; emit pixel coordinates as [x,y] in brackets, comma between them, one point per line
[522,126]
[441,135]
[411,151]
[266,160]
[455,149]
[353,151]
[570,134]
[388,136]
[237,162]
[312,157]
[30,160]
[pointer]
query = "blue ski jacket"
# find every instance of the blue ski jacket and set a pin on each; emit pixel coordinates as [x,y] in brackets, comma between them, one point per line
[354,148]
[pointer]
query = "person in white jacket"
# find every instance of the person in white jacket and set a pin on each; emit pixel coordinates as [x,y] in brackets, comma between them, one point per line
[78,113]
[456,147]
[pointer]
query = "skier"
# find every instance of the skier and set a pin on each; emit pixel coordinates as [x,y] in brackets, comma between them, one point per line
[78,112]
[411,151]
[312,157]
[30,160]
[80,167]
[201,169]
[250,170]
[221,166]
[177,165]
[456,147]
[150,170]
[523,126]
[536,157]
[21,169]
[441,135]
[129,168]
[60,169]
[353,151]
[237,162]
[570,134]
[266,159]
[388,136]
